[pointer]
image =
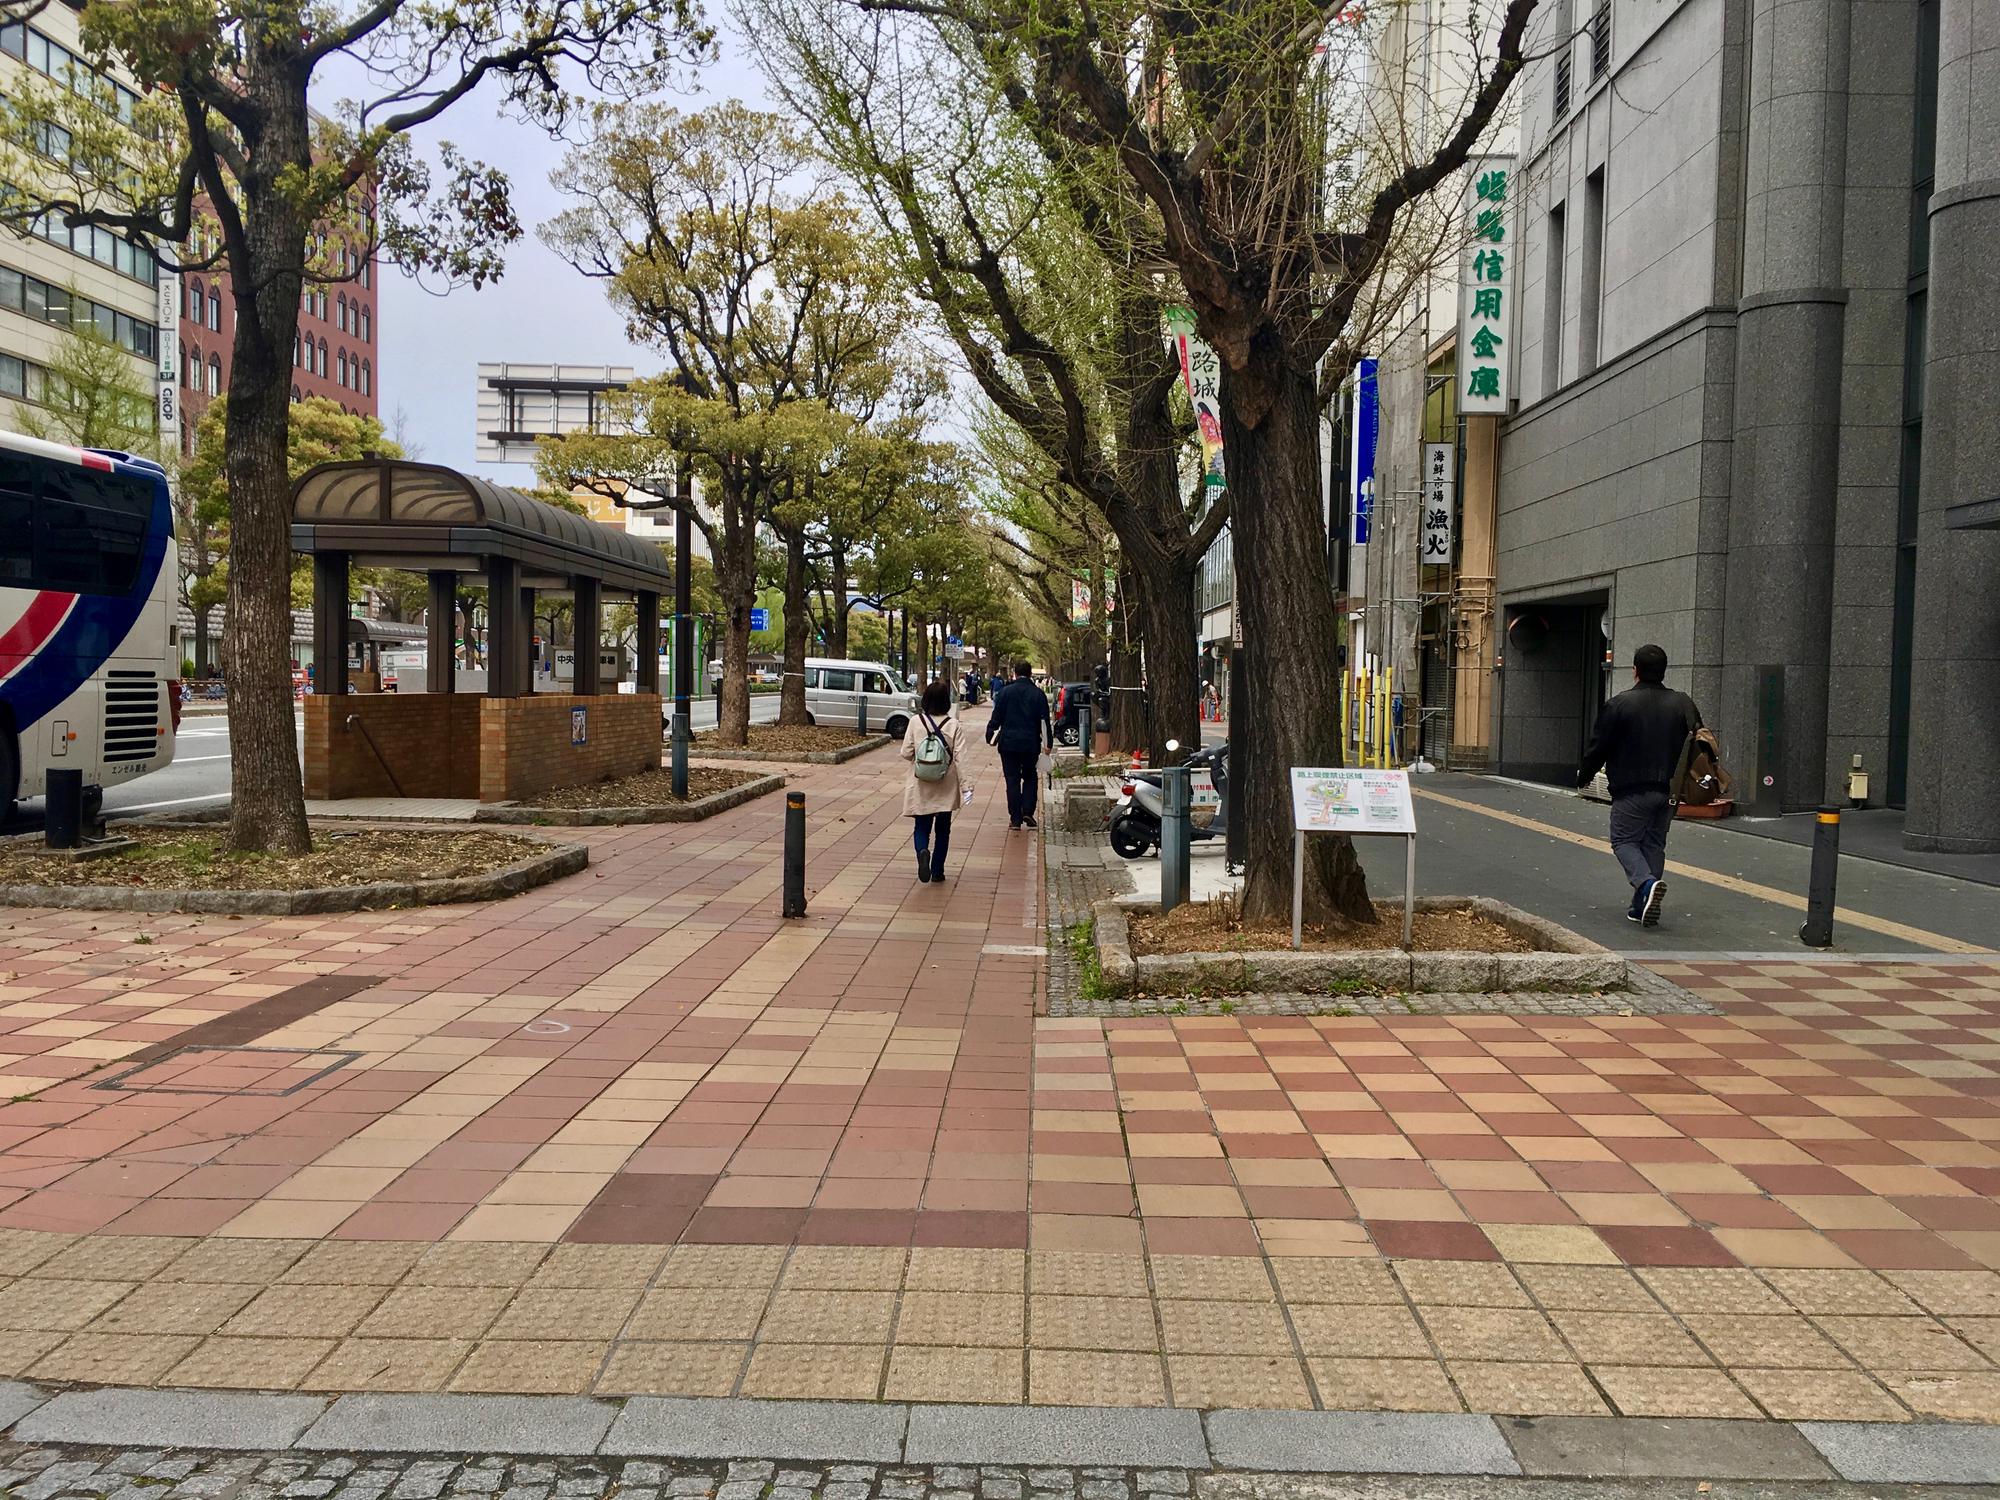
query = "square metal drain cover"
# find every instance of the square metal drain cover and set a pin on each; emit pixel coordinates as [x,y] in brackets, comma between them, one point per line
[240,1072]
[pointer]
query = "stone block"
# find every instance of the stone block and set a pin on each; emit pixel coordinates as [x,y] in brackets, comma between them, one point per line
[1454,973]
[815,1430]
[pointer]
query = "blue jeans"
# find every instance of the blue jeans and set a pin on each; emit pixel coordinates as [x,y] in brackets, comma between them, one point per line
[925,823]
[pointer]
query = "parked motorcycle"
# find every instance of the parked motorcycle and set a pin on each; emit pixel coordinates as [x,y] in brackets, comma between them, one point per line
[1135,818]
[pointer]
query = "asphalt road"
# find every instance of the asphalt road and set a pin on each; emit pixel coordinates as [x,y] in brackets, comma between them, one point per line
[199,773]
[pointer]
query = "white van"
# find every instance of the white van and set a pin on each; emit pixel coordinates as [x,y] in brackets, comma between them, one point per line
[835,688]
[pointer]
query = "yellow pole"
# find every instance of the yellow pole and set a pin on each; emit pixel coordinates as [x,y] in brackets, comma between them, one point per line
[1389,744]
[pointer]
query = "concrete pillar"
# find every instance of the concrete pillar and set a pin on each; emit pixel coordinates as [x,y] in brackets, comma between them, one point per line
[1954,779]
[1778,597]
[505,640]
[648,607]
[441,618]
[525,622]
[589,620]
[330,577]
[1476,641]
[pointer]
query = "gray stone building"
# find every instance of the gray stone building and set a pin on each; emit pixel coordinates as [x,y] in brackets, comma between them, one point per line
[1757,355]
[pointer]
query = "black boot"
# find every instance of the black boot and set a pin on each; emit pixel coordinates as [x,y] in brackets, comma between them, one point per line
[924,865]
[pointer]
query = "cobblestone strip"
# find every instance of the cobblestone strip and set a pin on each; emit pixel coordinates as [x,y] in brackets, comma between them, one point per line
[1078,878]
[40,1473]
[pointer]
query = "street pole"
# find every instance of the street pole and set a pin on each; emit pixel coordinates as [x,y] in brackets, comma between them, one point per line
[683,623]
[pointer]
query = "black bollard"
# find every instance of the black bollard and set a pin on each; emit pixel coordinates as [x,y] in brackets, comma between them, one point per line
[795,854]
[62,817]
[1818,929]
[861,712]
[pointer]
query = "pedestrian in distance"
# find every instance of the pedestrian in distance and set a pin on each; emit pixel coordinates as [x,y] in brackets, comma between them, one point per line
[1021,725]
[1641,741]
[931,745]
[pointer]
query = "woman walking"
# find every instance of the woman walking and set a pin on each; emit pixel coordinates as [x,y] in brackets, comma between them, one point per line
[931,745]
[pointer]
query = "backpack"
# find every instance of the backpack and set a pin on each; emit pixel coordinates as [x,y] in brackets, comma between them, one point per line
[933,757]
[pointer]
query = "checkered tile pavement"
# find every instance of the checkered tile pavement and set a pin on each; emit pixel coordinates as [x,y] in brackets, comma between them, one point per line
[639,1081]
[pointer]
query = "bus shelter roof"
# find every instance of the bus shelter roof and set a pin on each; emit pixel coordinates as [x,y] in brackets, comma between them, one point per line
[393,513]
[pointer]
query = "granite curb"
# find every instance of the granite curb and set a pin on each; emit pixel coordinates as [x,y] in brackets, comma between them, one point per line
[495,885]
[658,812]
[1333,1442]
[699,751]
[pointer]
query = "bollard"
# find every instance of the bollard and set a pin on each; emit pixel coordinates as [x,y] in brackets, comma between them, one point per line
[1175,794]
[1818,929]
[62,819]
[861,712]
[680,756]
[795,854]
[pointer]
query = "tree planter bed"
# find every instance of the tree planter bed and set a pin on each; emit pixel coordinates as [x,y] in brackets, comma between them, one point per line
[694,810]
[1561,961]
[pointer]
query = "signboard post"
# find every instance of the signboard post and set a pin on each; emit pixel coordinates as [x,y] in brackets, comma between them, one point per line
[1342,799]
[760,619]
[1437,505]
[1367,426]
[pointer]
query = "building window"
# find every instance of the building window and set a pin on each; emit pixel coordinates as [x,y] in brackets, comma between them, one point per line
[1565,50]
[295,349]
[1600,40]
[53,304]
[325,365]
[1552,302]
[367,381]
[195,370]
[340,366]
[343,312]
[215,311]
[1590,274]
[196,301]
[366,266]
[215,374]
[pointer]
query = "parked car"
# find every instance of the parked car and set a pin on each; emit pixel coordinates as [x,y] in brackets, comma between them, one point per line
[1072,712]
[835,685]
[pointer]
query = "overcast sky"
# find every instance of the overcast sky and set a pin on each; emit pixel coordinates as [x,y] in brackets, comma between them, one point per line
[541,311]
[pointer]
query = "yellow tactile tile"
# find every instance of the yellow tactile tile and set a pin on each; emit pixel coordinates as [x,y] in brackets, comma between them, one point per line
[1666,1391]
[477,1264]
[1227,1278]
[176,1307]
[961,1319]
[844,1268]
[114,1358]
[1817,1395]
[1460,1283]
[609,1266]
[1069,1377]
[1222,1327]
[1084,1273]
[1103,1323]
[364,1364]
[60,1306]
[251,1364]
[305,1311]
[821,1317]
[1383,1385]
[1628,1338]
[541,1367]
[1341,1279]
[965,1270]
[565,1314]
[1376,1330]
[1526,1388]
[672,1369]
[682,1314]
[831,1372]
[111,1257]
[922,1373]
[723,1266]
[1212,1381]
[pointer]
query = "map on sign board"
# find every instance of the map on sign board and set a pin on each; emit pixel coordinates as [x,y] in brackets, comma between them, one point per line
[1350,800]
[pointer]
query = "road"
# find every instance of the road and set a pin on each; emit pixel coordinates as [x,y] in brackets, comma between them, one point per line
[199,774]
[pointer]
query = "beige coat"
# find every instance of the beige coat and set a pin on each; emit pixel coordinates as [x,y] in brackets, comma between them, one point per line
[940,796]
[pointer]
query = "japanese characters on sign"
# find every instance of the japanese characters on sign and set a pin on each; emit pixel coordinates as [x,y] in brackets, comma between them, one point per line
[1367,426]
[1437,498]
[169,317]
[1486,289]
[1349,800]
[1201,373]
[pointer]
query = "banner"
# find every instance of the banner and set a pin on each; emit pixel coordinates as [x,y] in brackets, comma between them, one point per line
[1486,290]
[1079,602]
[168,310]
[1367,425]
[1201,373]
[1437,490]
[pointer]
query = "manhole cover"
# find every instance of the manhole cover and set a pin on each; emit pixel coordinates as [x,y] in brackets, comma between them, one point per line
[245,1072]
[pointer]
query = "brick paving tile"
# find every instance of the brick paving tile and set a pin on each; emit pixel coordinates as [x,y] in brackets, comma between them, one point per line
[893,1145]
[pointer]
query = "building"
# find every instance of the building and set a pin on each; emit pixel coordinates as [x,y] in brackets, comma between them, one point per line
[58,277]
[336,353]
[1756,358]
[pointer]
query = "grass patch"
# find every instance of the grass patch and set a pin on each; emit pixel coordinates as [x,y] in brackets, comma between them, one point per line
[1089,968]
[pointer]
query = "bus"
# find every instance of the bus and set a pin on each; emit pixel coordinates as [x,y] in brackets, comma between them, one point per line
[89,661]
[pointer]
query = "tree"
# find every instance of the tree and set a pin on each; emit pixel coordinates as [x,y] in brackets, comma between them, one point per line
[1277,189]
[716,238]
[223,141]
[318,432]
[93,396]
[1042,279]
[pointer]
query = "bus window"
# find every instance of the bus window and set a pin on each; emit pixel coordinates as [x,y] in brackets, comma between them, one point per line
[90,530]
[17,509]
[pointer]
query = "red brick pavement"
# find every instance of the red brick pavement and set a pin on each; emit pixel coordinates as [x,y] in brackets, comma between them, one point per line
[646,1053]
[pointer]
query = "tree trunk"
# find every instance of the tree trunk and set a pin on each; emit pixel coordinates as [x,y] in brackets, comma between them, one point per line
[267,795]
[1172,630]
[736,582]
[798,628]
[1287,710]
[1129,727]
[839,636]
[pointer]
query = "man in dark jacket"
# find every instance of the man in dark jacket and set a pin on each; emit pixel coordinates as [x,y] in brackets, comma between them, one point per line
[1640,742]
[1020,723]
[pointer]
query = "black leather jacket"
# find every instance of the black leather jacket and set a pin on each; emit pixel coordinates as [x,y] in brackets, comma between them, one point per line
[1638,739]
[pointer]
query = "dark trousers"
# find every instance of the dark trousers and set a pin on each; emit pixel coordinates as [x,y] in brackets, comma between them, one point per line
[1018,767]
[1639,824]
[933,832]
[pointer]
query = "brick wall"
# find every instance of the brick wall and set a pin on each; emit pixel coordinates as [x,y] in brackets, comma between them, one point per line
[526,744]
[430,741]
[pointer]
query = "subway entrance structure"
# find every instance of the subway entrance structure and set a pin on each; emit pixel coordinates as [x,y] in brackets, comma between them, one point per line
[501,740]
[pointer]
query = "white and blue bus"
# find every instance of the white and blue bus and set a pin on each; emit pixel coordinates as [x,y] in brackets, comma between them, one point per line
[89,664]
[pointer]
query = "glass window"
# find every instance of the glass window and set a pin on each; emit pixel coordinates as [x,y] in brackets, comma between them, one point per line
[13,380]
[836,680]
[340,367]
[215,311]
[90,529]
[871,682]
[215,374]
[17,491]
[365,320]
[10,288]
[367,379]
[14,39]
[343,312]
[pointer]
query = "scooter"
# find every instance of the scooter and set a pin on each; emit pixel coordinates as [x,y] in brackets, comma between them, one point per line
[1135,819]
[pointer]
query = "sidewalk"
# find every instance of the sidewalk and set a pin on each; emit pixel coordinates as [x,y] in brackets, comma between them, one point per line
[630,1134]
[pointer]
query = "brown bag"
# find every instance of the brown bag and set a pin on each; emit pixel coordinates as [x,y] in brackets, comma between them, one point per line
[1702,778]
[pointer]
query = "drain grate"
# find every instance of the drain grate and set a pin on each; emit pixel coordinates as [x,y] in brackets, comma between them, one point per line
[237,1072]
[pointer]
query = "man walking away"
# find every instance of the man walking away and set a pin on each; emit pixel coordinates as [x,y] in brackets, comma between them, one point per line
[1021,725]
[1641,742]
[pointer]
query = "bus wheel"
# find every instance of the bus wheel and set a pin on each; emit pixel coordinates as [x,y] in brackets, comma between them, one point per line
[10,775]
